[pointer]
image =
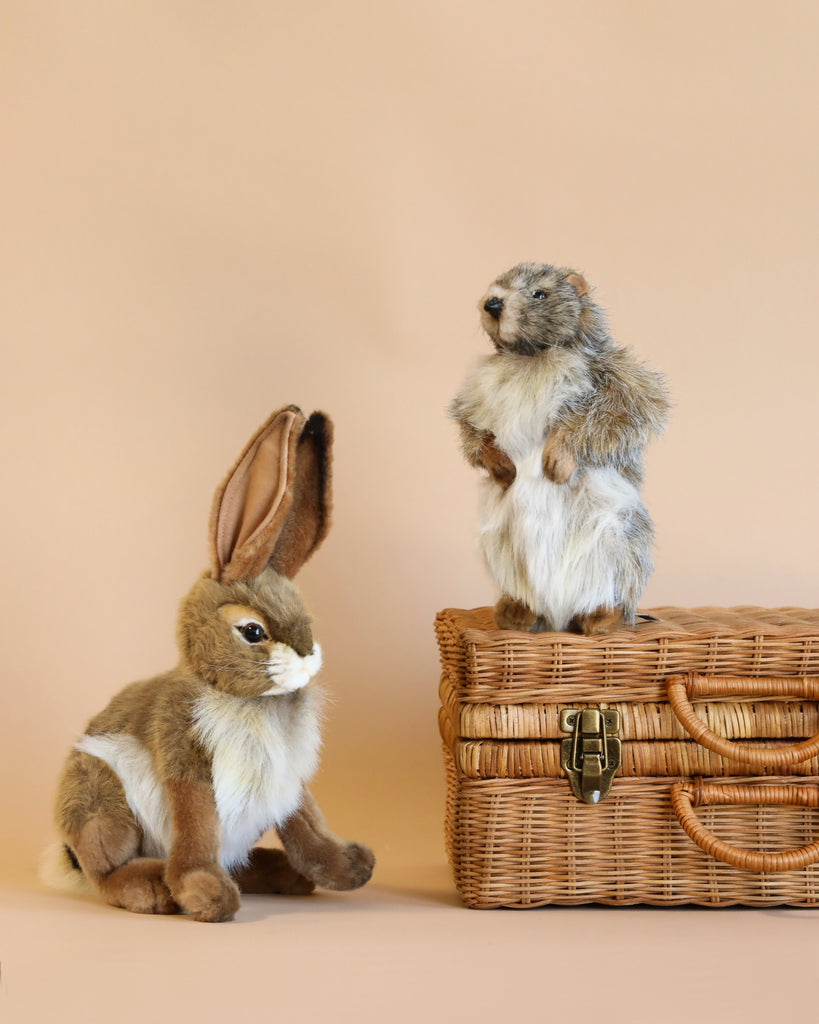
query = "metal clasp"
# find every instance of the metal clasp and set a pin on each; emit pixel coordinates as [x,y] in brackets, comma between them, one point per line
[591,755]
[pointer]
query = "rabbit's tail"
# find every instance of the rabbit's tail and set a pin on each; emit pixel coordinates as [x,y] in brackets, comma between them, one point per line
[60,870]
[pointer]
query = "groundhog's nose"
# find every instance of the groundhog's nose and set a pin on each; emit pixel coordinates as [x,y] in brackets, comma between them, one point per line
[493,307]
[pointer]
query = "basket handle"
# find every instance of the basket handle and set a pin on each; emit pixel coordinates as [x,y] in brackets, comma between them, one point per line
[687,795]
[682,689]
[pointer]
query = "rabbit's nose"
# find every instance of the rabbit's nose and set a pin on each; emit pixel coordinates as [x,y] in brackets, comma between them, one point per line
[493,307]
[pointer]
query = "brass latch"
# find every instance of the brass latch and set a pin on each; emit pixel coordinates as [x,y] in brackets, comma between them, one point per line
[591,755]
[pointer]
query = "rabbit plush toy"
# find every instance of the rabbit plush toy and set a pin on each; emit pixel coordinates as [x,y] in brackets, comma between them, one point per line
[163,797]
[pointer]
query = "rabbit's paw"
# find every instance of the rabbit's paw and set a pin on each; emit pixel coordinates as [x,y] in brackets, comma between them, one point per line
[207,894]
[139,886]
[342,866]
[269,871]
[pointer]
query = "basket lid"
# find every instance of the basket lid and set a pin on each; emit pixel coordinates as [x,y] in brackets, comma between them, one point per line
[485,665]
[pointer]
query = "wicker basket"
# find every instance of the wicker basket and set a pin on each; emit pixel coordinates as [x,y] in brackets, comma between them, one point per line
[715,799]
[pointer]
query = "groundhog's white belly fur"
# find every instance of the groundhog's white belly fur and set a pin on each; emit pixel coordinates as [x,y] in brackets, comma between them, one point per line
[559,547]
[563,549]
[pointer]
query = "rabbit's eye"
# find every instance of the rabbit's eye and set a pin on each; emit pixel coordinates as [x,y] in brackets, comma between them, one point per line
[538,293]
[252,632]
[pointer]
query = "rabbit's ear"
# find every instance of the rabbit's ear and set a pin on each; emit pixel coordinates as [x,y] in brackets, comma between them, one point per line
[274,504]
[308,518]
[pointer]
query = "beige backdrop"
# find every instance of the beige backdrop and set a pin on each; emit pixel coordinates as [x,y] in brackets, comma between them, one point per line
[210,210]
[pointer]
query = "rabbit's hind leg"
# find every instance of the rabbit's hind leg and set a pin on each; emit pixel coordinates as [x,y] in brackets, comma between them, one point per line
[139,886]
[104,838]
[269,871]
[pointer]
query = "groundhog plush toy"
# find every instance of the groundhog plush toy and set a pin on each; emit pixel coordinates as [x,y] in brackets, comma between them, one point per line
[560,418]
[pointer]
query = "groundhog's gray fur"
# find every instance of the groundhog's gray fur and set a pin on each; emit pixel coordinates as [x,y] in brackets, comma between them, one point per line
[560,418]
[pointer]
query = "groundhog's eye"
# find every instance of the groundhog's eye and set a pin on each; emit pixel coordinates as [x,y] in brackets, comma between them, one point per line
[252,632]
[538,293]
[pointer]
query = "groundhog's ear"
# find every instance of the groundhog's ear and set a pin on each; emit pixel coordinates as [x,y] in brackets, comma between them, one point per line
[578,282]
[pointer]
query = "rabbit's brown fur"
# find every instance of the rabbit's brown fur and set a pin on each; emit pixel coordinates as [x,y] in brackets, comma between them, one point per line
[162,798]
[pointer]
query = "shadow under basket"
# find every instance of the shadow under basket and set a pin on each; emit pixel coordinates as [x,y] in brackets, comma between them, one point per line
[676,762]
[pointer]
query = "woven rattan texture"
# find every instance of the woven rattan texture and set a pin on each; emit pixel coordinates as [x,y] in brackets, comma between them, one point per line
[736,718]
[525,759]
[526,844]
[492,666]
[517,836]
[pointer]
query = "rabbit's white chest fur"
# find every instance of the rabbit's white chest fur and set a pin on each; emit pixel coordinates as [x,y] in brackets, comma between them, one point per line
[263,751]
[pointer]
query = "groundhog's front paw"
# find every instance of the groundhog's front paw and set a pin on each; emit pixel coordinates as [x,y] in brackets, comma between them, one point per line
[558,460]
[342,866]
[207,894]
[496,462]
